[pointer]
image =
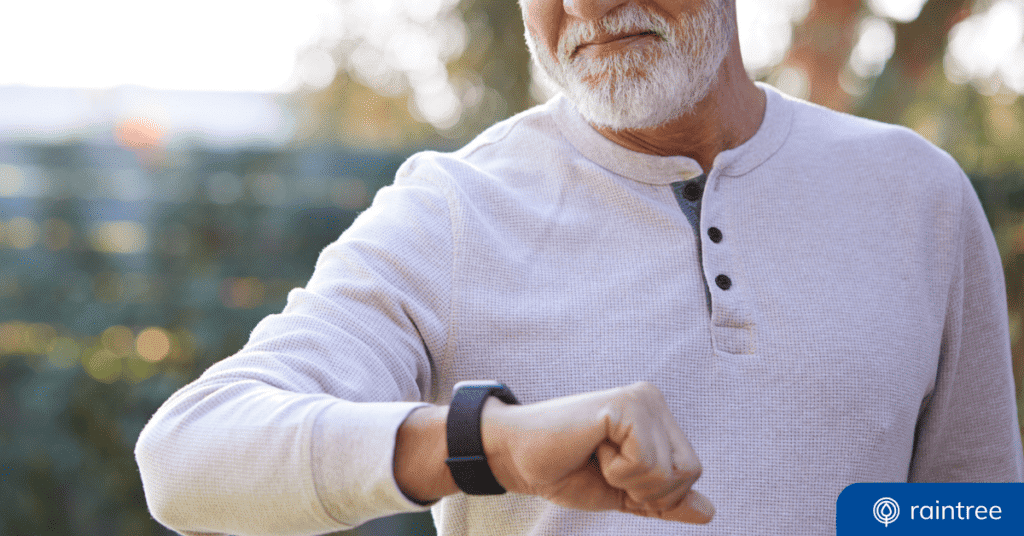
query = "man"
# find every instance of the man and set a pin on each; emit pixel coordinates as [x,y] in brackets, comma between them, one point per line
[718,306]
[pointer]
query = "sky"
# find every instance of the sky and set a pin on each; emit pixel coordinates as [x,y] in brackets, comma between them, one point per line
[203,45]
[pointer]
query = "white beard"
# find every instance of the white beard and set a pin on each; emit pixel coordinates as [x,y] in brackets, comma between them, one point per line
[641,87]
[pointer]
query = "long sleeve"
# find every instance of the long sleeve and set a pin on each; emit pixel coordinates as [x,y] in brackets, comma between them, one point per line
[295,434]
[968,429]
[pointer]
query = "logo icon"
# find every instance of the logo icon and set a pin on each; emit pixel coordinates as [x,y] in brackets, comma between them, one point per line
[886,510]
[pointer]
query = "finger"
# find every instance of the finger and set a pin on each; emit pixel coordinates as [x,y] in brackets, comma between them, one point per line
[656,507]
[618,471]
[668,497]
[684,458]
[661,443]
[647,437]
[644,443]
[623,470]
[586,490]
[660,428]
[693,507]
[642,483]
[659,507]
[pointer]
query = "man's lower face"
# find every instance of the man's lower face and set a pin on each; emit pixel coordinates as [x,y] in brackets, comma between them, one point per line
[644,81]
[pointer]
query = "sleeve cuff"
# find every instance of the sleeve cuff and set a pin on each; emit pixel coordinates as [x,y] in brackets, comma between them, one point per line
[353,454]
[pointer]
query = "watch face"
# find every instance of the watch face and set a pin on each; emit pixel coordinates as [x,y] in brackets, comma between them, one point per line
[476,383]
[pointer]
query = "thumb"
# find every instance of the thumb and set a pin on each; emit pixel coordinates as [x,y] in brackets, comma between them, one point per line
[694,508]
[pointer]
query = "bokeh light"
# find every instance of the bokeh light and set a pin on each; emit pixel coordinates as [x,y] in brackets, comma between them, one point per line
[897,10]
[11,180]
[119,340]
[874,47]
[988,48]
[11,337]
[123,237]
[766,30]
[153,344]
[102,364]
[37,338]
[139,133]
[21,233]
[394,46]
[316,69]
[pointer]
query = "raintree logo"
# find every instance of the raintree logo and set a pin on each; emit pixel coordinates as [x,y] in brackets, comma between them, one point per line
[936,509]
[886,510]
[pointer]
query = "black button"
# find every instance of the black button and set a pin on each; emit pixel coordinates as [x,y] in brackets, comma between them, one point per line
[692,191]
[715,234]
[723,282]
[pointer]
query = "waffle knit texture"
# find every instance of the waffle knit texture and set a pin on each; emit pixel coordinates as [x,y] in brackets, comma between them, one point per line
[863,338]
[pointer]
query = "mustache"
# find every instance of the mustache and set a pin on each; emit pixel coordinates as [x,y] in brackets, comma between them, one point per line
[631,19]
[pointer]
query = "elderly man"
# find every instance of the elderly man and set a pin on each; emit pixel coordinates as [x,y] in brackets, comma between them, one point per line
[713,308]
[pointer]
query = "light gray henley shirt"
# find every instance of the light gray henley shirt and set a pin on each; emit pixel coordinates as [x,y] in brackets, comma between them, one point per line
[827,307]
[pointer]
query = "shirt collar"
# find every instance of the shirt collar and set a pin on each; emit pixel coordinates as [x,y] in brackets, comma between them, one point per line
[663,170]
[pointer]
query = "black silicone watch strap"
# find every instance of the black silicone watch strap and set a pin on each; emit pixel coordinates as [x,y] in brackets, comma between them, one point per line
[466,458]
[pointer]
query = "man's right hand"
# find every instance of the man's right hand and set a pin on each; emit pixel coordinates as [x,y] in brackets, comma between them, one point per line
[619,449]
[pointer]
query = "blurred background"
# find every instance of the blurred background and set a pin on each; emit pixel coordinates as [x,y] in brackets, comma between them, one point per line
[170,170]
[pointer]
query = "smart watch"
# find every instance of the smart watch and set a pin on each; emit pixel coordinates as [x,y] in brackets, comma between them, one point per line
[466,458]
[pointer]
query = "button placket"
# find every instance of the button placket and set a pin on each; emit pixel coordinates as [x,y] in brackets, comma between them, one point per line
[714,257]
[732,322]
[723,281]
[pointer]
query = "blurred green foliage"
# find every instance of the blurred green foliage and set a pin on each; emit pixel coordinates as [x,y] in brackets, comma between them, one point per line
[111,300]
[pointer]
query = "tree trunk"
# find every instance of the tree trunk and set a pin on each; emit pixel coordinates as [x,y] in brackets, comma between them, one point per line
[821,48]
[920,45]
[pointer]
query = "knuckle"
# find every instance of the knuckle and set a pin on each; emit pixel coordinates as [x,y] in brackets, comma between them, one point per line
[645,388]
[691,471]
[695,468]
[628,393]
[641,393]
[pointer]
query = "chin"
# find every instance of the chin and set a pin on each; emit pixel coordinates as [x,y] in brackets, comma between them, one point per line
[642,87]
[637,103]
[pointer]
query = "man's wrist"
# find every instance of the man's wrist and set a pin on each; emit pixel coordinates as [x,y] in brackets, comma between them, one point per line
[497,435]
[420,451]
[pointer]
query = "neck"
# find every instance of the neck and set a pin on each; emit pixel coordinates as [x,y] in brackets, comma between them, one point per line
[728,116]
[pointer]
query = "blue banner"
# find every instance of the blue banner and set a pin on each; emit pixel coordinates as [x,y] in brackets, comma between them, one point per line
[933,509]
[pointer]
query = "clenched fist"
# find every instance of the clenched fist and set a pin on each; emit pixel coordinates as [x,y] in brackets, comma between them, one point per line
[619,449]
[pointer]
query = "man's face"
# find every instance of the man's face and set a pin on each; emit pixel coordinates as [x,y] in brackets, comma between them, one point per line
[630,63]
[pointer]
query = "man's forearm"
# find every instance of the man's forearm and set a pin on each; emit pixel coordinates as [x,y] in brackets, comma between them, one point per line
[618,449]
